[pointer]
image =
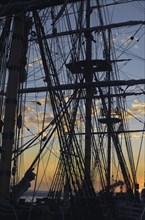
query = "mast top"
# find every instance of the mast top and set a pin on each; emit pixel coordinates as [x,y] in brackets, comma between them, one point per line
[95,65]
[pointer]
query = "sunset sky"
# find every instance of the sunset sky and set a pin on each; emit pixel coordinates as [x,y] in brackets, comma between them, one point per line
[130,44]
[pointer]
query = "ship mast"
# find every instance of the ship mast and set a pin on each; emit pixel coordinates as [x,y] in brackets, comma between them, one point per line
[14,67]
[109,108]
[89,93]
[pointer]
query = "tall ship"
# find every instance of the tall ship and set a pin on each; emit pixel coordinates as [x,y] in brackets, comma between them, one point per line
[72,108]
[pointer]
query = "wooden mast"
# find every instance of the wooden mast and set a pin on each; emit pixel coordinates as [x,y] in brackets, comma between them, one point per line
[14,66]
[89,93]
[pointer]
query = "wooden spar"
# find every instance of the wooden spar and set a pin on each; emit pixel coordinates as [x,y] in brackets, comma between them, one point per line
[15,6]
[86,85]
[112,132]
[96,28]
[14,66]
